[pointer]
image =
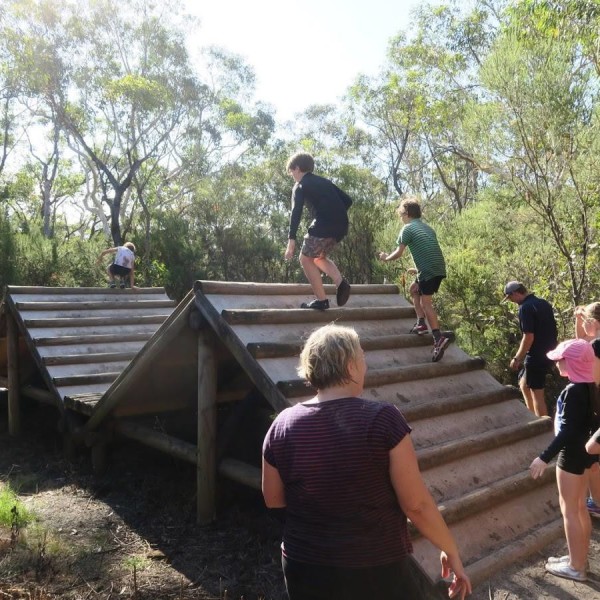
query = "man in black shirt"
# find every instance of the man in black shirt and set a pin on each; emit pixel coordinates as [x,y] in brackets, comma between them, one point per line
[538,326]
[329,207]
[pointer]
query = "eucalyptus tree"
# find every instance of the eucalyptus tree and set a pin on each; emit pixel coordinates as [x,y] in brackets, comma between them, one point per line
[125,94]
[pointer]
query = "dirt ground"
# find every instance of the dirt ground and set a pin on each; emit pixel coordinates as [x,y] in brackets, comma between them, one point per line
[131,533]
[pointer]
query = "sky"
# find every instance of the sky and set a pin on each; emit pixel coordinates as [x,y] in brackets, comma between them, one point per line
[332,41]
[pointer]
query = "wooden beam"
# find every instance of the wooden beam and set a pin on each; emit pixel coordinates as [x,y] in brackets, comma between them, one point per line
[284,289]
[34,393]
[84,359]
[277,316]
[207,430]
[96,321]
[14,414]
[88,379]
[96,305]
[101,338]
[241,472]
[296,388]
[24,289]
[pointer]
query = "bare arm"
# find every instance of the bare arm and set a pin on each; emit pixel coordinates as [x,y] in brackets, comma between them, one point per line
[526,342]
[272,487]
[105,252]
[397,253]
[418,505]
[592,446]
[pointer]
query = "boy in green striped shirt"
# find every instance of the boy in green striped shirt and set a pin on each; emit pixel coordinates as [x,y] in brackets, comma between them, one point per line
[427,255]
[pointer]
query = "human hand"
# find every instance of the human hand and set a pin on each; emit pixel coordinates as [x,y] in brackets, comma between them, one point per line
[515,364]
[290,249]
[537,467]
[382,256]
[460,585]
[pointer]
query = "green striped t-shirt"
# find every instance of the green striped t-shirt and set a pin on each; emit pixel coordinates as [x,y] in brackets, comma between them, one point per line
[425,249]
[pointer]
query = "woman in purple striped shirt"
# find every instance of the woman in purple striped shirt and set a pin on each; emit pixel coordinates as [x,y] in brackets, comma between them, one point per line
[346,471]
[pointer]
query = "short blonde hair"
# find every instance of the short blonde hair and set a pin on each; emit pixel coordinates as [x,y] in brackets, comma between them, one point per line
[326,355]
[130,246]
[592,311]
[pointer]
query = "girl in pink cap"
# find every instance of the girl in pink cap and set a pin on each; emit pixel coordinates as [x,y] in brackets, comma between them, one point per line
[573,424]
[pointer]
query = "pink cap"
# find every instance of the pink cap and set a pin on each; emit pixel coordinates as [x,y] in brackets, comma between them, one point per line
[579,359]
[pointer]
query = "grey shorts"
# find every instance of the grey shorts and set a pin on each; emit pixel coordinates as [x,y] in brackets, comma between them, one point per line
[316,247]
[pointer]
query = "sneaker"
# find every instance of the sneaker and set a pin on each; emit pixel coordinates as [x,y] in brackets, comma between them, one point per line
[317,304]
[593,508]
[566,571]
[439,347]
[343,293]
[112,286]
[555,560]
[419,328]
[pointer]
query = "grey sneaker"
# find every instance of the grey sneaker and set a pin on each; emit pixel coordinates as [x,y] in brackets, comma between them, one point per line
[439,347]
[555,560]
[565,571]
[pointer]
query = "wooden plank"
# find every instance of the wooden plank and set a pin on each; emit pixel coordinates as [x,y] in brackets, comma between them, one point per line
[298,387]
[125,311]
[14,401]
[85,379]
[78,350]
[474,444]
[62,371]
[207,431]
[95,305]
[241,472]
[101,338]
[280,350]
[262,316]
[22,289]
[32,392]
[94,322]
[125,331]
[263,289]
[79,359]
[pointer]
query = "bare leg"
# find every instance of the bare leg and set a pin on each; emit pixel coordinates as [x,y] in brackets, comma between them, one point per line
[416,297]
[430,314]
[329,268]
[595,483]
[578,524]
[313,274]
[539,402]
[527,394]
[111,277]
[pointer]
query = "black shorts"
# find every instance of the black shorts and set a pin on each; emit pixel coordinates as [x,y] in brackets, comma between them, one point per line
[430,286]
[575,460]
[535,376]
[119,270]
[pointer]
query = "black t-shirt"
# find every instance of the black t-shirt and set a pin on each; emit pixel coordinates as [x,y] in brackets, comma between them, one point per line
[536,316]
[328,205]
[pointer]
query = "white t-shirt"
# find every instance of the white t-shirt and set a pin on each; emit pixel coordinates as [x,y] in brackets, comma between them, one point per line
[125,257]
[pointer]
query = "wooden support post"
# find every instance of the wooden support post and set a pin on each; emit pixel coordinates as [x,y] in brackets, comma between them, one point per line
[207,430]
[14,415]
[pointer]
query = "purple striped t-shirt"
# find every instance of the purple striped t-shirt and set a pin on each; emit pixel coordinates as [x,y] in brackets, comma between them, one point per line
[333,458]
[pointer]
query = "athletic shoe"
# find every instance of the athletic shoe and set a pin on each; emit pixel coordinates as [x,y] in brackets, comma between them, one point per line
[439,347]
[122,286]
[317,304]
[419,328]
[566,559]
[593,508]
[343,293]
[566,571]
[112,286]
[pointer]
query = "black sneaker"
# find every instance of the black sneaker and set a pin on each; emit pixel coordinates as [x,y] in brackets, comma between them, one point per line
[317,304]
[342,293]
[112,286]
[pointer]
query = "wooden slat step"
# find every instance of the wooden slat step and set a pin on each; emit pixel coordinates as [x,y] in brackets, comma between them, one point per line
[444,453]
[139,304]
[296,388]
[14,290]
[389,342]
[101,338]
[437,408]
[85,379]
[287,289]
[80,359]
[95,321]
[276,316]
[486,497]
